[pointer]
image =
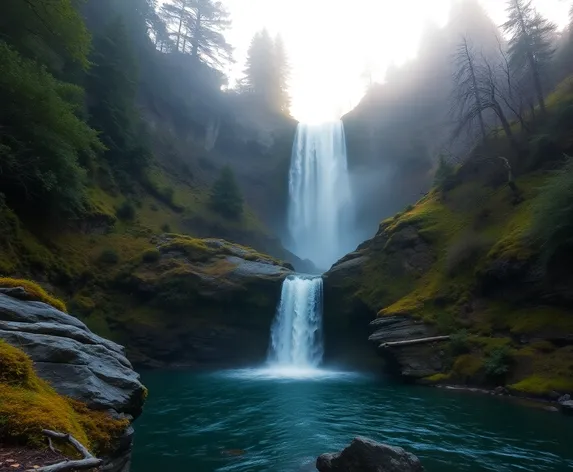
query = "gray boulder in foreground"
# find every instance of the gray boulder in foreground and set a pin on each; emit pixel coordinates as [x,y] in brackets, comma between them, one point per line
[365,455]
[75,361]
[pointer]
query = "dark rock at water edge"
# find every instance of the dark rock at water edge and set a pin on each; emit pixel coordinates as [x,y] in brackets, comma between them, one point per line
[365,455]
[77,363]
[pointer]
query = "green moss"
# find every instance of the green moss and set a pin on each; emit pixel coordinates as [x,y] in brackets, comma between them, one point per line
[540,386]
[34,291]
[438,378]
[28,405]
[467,366]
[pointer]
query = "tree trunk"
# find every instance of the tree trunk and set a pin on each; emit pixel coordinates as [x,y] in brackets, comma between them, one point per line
[196,34]
[179,31]
[507,128]
[476,90]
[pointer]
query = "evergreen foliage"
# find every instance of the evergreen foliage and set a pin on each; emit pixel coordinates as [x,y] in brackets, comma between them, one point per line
[530,47]
[267,73]
[41,136]
[197,27]
[226,197]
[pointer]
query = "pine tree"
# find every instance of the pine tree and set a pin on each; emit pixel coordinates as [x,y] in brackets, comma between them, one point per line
[267,73]
[226,198]
[530,46]
[197,28]
[283,72]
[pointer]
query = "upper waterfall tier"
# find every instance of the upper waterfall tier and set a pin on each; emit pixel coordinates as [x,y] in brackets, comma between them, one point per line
[321,213]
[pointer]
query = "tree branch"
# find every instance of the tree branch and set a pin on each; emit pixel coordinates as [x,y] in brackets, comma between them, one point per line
[88,461]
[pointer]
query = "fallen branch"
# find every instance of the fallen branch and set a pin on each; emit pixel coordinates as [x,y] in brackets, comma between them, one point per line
[412,342]
[88,461]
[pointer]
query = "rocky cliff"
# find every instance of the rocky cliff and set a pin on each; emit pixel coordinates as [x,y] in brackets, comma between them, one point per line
[79,365]
[198,302]
[458,293]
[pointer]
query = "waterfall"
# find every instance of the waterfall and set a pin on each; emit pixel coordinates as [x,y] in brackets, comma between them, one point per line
[320,214]
[296,334]
[320,218]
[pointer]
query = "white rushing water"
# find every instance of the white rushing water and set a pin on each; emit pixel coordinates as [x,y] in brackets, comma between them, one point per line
[320,214]
[296,334]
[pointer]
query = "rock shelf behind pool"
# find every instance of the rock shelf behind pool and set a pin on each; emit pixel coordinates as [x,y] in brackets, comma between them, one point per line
[365,455]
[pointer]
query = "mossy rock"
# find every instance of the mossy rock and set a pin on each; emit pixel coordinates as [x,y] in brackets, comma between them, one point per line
[28,405]
[34,291]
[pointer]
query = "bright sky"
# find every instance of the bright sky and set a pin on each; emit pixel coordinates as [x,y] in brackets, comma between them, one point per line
[332,42]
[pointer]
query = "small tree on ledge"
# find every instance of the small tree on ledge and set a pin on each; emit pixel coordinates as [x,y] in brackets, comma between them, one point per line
[226,197]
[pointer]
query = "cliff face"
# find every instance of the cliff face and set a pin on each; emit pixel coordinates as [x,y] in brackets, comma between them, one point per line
[198,302]
[458,291]
[78,365]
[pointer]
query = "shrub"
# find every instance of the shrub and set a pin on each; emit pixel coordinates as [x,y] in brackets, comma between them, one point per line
[226,198]
[151,255]
[166,228]
[464,252]
[126,211]
[459,343]
[34,291]
[552,223]
[109,256]
[497,363]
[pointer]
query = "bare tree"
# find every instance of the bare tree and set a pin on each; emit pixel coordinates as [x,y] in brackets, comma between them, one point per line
[483,90]
[467,94]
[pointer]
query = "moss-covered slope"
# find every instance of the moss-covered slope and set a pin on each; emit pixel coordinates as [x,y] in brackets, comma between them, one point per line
[463,262]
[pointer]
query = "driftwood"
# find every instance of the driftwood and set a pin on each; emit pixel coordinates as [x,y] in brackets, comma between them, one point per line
[88,461]
[412,342]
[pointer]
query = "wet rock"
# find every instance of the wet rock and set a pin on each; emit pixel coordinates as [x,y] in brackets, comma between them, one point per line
[365,455]
[564,398]
[501,391]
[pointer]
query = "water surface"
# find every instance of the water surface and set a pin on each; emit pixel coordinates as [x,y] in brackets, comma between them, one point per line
[264,420]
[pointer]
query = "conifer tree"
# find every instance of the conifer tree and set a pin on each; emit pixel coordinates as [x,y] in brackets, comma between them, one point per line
[530,46]
[226,197]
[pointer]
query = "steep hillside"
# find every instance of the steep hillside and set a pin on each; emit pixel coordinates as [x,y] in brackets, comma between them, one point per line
[463,274]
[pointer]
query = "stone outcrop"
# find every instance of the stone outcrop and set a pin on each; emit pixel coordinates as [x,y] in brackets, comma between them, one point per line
[76,362]
[365,455]
[377,274]
[209,302]
[410,346]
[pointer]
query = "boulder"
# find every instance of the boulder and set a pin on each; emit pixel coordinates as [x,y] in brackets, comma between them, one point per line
[365,455]
[76,362]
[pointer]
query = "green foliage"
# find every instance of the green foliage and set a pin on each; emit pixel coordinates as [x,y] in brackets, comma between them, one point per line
[166,228]
[112,87]
[459,343]
[50,32]
[226,197]
[498,361]
[552,224]
[109,256]
[41,138]
[126,211]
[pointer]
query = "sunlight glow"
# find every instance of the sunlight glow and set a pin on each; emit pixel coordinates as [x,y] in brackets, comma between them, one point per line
[332,44]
